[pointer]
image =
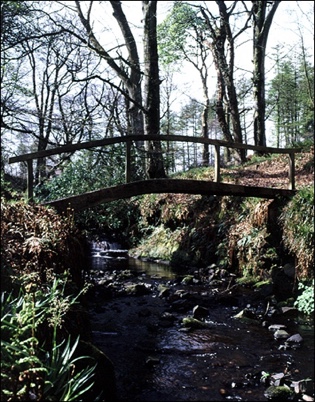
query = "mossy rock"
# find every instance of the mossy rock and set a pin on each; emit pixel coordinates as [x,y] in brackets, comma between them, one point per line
[193,323]
[280,393]
[137,289]
[187,279]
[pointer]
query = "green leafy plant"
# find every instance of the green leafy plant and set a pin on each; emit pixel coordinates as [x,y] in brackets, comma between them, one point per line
[33,368]
[305,301]
[297,220]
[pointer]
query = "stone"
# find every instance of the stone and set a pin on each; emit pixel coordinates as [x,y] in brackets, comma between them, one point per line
[167,320]
[281,334]
[193,323]
[200,312]
[164,291]
[289,312]
[277,379]
[294,341]
[289,270]
[138,289]
[307,398]
[246,315]
[280,393]
[152,361]
[275,327]
[167,317]
[182,294]
[187,280]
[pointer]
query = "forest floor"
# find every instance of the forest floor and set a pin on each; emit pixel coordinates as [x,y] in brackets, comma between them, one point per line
[266,171]
[273,172]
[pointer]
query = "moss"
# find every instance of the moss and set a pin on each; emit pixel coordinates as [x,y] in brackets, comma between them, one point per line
[190,322]
[280,393]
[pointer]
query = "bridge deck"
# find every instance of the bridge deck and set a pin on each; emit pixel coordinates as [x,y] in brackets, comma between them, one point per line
[93,198]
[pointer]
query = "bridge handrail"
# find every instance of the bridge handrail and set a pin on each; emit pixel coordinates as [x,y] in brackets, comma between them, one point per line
[128,139]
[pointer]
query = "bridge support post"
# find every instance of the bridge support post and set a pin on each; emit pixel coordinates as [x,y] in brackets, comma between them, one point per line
[128,162]
[217,177]
[30,180]
[291,171]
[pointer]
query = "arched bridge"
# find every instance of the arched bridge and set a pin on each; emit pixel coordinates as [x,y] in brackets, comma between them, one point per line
[130,189]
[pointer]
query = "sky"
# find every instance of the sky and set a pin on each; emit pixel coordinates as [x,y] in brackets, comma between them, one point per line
[290,18]
[285,31]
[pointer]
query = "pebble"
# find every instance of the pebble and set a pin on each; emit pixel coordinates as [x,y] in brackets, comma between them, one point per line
[275,327]
[281,334]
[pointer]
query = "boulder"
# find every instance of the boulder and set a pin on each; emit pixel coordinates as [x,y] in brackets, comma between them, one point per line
[164,291]
[289,270]
[280,393]
[200,312]
[187,280]
[152,361]
[289,312]
[275,327]
[167,320]
[294,341]
[281,334]
[193,323]
[138,289]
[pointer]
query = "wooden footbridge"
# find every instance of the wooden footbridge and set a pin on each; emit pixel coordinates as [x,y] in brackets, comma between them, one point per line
[130,189]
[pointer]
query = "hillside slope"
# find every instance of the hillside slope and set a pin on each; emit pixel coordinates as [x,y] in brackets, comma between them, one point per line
[243,235]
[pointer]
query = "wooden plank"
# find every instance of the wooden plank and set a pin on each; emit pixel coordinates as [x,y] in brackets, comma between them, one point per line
[117,140]
[291,171]
[30,180]
[217,162]
[93,198]
[128,162]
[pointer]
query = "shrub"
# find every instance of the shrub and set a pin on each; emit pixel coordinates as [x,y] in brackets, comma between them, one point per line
[32,369]
[297,220]
[305,301]
[35,239]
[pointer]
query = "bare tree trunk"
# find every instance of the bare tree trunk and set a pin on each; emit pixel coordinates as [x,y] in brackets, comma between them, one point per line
[152,90]
[262,23]
[224,64]
[205,130]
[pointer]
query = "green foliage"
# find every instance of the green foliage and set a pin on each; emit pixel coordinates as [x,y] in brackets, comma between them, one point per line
[297,220]
[37,240]
[86,174]
[291,99]
[305,301]
[161,244]
[7,191]
[174,32]
[33,368]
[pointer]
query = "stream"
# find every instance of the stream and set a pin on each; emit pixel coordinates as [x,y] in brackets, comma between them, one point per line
[137,310]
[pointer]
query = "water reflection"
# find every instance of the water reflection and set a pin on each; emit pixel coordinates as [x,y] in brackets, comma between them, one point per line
[109,256]
[201,365]
[151,269]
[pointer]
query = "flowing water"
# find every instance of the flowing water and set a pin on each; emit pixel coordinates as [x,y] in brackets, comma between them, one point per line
[158,360]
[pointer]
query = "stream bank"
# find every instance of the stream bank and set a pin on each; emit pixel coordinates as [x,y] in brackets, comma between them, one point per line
[163,347]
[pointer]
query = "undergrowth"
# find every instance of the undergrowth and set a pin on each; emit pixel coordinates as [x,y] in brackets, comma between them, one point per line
[33,368]
[297,220]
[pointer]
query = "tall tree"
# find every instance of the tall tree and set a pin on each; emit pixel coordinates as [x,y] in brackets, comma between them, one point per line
[262,15]
[181,37]
[152,89]
[130,73]
[289,102]
[222,45]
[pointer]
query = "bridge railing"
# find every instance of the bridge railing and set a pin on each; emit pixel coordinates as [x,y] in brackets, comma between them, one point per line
[128,140]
